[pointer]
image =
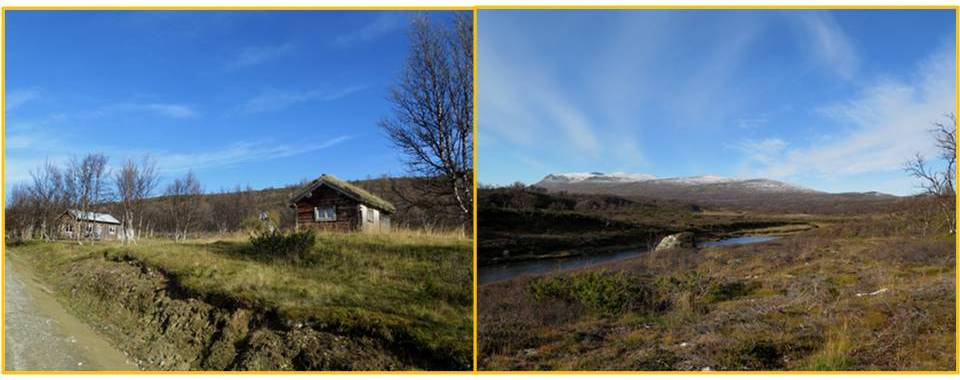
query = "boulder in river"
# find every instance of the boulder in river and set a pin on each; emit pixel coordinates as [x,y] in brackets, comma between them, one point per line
[678,240]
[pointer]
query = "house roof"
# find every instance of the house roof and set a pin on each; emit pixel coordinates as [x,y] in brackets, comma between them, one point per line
[90,216]
[345,188]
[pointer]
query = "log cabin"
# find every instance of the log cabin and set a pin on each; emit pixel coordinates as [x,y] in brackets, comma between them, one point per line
[89,225]
[330,204]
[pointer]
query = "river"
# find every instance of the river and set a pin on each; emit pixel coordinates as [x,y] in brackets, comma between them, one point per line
[501,272]
[41,335]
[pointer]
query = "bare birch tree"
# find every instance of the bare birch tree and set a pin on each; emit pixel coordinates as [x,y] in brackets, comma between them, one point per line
[126,183]
[86,185]
[146,182]
[183,204]
[134,183]
[46,193]
[19,210]
[432,121]
[939,184]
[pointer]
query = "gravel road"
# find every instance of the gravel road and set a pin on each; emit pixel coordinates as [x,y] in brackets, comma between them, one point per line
[41,335]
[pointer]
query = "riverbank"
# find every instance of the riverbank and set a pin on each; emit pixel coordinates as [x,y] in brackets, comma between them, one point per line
[501,272]
[41,335]
[354,302]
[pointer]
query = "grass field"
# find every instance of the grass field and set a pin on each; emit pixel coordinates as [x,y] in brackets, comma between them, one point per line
[407,288]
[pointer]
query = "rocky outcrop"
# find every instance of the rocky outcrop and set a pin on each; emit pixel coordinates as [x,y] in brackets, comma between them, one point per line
[678,240]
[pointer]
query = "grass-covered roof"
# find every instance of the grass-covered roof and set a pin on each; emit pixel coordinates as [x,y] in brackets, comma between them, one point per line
[347,189]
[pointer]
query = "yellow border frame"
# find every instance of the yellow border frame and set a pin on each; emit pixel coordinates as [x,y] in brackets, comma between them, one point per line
[476,11]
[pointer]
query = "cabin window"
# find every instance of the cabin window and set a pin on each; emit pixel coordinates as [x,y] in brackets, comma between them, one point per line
[113,230]
[89,228]
[68,227]
[324,214]
[372,215]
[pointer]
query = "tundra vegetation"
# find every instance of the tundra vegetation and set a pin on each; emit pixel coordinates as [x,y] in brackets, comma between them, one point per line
[867,284]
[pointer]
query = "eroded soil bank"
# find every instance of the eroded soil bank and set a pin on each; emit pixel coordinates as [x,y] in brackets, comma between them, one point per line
[144,313]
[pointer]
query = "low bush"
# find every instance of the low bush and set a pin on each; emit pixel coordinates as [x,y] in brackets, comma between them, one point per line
[601,291]
[292,246]
[729,290]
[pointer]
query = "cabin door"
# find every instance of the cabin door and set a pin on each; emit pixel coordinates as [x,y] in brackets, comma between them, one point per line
[363,217]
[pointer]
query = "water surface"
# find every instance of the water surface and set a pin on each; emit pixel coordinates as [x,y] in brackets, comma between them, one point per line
[737,241]
[506,271]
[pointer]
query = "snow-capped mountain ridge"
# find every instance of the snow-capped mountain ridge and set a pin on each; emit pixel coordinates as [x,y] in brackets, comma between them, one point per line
[757,184]
[598,177]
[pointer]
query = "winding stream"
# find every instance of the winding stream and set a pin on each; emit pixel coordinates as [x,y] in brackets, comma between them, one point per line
[506,271]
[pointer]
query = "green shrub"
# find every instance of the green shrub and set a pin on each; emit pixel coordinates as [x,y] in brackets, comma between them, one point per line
[602,291]
[292,246]
[729,290]
[255,226]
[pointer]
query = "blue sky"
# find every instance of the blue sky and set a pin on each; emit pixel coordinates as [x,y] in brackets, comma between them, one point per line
[832,100]
[249,98]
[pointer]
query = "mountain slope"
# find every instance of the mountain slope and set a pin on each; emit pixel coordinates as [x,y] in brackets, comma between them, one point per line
[755,193]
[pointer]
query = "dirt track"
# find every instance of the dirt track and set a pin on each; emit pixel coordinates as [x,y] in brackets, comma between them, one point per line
[41,335]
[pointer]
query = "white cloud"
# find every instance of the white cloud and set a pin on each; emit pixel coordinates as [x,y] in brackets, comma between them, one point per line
[525,107]
[20,164]
[255,55]
[238,153]
[385,23]
[751,122]
[34,133]
[177,111]
[879,129]
[273,100]
[830,44]
[765,151]
[17,98]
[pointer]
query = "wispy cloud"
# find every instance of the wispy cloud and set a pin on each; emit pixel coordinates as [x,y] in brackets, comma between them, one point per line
[255,55]
[751,122]
[239,153]
[765,151]
[882,127]
[172,110]
[29,133]
[383,24]
[18,97]
[538,105]
[273,100]
[169,162]
[830,44]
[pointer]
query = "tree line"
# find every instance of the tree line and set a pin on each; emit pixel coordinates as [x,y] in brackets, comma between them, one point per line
[131,193]
[184,208]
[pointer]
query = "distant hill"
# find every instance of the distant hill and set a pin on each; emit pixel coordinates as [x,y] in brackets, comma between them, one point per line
[756,193]
[224,211]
